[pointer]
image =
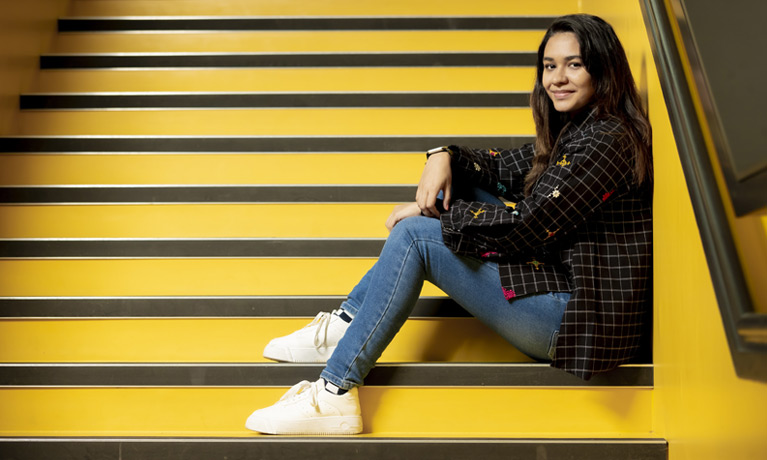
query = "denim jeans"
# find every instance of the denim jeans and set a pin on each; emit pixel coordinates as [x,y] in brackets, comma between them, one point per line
[384,298]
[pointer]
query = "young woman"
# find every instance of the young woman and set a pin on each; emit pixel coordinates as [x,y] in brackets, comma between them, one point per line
[561,270]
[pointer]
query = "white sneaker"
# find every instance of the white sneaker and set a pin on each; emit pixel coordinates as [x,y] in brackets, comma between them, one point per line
[314,343]
[308,409]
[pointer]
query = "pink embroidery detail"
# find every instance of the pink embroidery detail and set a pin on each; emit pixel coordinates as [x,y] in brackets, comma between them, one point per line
[607,195]
[493,152]
[508,293]
[488,254]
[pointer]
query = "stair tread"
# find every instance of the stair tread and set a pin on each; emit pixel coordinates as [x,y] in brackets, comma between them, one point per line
[284,374]
[303,23]
[203,307]
[389,99]
[248,143]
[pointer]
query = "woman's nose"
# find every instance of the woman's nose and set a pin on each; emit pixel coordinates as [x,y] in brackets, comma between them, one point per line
[560,76]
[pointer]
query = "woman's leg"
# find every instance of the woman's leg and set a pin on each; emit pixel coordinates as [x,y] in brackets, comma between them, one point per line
[415,252]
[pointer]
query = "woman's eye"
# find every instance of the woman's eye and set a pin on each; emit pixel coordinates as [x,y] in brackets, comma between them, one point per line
[548,66]
[575,65]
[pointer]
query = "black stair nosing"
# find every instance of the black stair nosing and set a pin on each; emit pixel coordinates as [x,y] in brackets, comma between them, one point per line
[336,447]
[353,23]
[63,101]
[234,144]
[220,60]
[284,374]
[201,307]
[140,194]
[191,248]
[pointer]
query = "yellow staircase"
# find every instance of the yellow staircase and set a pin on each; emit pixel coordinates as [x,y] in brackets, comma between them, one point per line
[191,179]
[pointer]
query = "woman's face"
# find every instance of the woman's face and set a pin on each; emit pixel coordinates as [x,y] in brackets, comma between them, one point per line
[565,78]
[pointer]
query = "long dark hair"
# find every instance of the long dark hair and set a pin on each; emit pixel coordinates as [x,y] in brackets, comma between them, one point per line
[615,93]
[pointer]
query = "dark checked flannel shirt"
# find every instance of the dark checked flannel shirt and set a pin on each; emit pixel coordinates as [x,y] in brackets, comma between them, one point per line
[586,228]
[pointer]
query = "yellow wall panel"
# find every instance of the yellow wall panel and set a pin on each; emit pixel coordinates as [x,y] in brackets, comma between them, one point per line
[704,410]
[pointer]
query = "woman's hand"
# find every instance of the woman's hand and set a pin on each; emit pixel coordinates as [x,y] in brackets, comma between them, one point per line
[400,212]
[437,177]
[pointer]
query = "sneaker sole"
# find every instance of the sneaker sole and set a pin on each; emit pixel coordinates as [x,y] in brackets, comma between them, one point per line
[340,425]
[307,355]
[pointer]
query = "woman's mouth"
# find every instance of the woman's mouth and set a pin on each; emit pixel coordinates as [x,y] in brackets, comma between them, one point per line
[561,94]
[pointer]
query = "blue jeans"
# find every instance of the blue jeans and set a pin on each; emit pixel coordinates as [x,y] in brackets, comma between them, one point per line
[384,298]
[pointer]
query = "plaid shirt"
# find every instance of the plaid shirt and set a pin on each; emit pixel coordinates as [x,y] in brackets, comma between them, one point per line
[586,228]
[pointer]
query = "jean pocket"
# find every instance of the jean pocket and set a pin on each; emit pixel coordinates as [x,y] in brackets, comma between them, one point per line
[553,344]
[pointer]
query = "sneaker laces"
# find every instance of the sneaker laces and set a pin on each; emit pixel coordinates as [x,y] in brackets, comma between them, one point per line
[298,391]
[322,323]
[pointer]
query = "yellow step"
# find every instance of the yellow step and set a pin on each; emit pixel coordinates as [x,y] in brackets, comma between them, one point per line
[278,122]
[229,340]
[438,412]
[294,168]
[289,79]
[324,8]
[195,221]
[299,41]
[140,277]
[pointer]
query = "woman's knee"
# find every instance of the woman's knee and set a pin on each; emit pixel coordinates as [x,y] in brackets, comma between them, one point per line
[416,227]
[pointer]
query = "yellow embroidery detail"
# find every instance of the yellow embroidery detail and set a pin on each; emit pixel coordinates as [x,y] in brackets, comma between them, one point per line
[477,167]
[477,213]
[550,233]
[493,152]
[512,205]
[536,264]
[563,161]
[555,193]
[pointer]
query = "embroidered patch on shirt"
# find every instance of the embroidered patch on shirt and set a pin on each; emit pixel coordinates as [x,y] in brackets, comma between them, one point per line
[555,193]
[607,195]
[508,293]
[493,152]
[485,255]
[477,213]
[536,264]
[563,161]
[477,167]
[550,233]
[501,188]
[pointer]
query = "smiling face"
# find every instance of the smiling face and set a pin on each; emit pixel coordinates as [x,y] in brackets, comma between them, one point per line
[565,78]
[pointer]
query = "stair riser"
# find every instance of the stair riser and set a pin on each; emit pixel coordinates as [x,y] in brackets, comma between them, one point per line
[386,411]
[290,79]
[299,41]
[210,169]
[139,277]
[325,8]
[281,122]
[229,340]
[195,221]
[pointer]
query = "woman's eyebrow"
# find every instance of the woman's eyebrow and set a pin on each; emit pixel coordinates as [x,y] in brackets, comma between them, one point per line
[567,58]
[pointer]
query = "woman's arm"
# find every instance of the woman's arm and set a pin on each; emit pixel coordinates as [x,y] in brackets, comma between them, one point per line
[571,190]
[499,171]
